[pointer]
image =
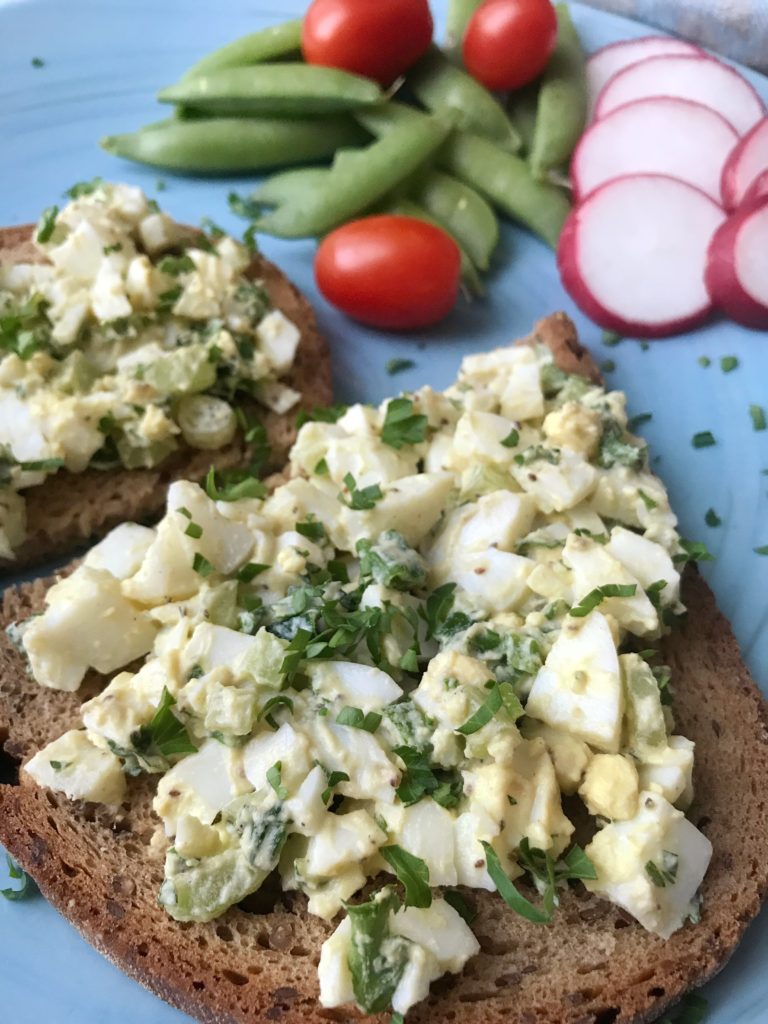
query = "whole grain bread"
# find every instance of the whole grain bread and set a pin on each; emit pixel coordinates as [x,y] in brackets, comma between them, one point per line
[593,965]
[69,509]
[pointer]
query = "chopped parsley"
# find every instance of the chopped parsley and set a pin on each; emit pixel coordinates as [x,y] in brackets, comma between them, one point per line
[201,565]
[355,719]
[600,594]
[728,363]
[704,439]
[153,744]
[175,265]
[399,366]
[27,887]
[757,414]
[363,499]
[47,224]
[421,778]
[320,414]
[512,439]
[413,874]
[402,426]
[275,779]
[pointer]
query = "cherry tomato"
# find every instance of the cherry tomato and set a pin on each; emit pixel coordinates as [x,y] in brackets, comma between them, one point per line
[380,39]
[509,42]
[389,271]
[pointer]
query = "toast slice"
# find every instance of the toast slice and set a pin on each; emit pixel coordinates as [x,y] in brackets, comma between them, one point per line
[593,965]
[69,509]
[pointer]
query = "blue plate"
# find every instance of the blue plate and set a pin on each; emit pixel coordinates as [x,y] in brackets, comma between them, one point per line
[103,63]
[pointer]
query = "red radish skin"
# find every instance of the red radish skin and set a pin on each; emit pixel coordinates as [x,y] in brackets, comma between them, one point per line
[633,254]
[608,61]
[663,135]
[737,266]
[757,189]
[701,79]
[747,161]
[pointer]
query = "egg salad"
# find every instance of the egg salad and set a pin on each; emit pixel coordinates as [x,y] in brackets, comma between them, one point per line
[134,335]
[411,659]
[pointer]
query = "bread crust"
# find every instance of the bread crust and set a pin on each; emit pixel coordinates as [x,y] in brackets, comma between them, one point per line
[72,508]
[593,965]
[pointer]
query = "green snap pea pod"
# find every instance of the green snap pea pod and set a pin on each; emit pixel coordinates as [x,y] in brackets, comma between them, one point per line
[273,89]
[444,88]
[461,211]
[507,182]
[227,145]
[357,180]
[277,42]
[459,13]
[469,274]
[522,107]
[290,186]
[504,179]
[562,110]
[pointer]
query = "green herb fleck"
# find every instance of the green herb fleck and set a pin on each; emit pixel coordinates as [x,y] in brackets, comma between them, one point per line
[508,892]
[151,745]
[399,366]
[638,421]
[275,779]
[512,439]
[691,1010]
[27,887]
[334,778]
[608,366]
[599,594]
[413,874]
[47,223]
[501,695]
[648,501]
[611,338]
[455,899]
[762,550]
[693,551]
[355,719]
[704,361]
[666,873]
[728,363]
[37,62]
[363,499]
[251,571]
[711,518]
[757,414]
[194,530]
[704,439]
[201,565]
[312,529]
[401,425]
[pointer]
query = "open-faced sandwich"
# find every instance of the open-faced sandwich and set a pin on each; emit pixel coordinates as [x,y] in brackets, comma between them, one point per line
[423,731]
[135,351]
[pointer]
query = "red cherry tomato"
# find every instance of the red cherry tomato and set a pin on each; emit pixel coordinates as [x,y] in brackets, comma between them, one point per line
[389,271]
[380,39]
[509,42]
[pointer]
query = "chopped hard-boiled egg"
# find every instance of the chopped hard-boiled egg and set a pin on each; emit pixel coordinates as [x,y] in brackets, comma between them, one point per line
[400,661]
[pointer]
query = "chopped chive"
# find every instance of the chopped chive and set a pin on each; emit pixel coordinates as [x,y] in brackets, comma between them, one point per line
[639,420]
[762,550]
[399,366]
[194,530]
[201,565]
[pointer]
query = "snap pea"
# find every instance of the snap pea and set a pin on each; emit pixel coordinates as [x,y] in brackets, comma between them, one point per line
[504,179]
[357,180]
[459,13]
[289,186]
[507,182]
[443,88]
[522,107]
[277,42]
[461,211]
[227,145]
[562,108]
[469,274]
[274,89]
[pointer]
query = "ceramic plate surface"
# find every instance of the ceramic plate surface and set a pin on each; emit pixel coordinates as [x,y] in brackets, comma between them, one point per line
[103,62]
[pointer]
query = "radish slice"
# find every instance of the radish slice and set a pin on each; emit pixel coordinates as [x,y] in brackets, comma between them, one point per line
[701,79]
[604,63]
[746,162]
[757,190]
[632,255]
[737,269]
[657,136]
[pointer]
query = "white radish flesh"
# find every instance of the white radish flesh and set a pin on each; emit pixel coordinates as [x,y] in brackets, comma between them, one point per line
[657,136]
[605,63]
[633,255]
[747,161]
[737,269]
[701,79]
